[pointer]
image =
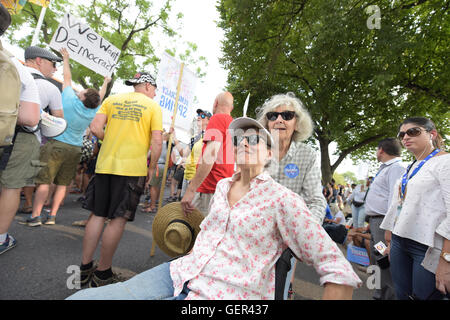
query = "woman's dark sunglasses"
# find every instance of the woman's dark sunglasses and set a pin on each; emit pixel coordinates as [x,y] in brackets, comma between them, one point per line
[286,115]
[252,140]
[411,132]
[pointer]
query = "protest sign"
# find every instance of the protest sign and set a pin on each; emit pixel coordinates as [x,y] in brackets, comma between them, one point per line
[357,255]
[13,6]
[167,80]
[42,3]
[85,46]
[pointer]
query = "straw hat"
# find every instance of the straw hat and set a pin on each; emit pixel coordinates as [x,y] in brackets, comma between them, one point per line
[173,232]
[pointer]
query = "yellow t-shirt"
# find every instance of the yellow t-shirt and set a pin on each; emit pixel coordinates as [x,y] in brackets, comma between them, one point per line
[191,164]
[131,118]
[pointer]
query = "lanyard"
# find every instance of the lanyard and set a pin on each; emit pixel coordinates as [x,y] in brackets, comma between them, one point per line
[405,178]
[385,166]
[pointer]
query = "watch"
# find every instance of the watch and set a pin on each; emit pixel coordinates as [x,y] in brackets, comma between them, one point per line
[445,256]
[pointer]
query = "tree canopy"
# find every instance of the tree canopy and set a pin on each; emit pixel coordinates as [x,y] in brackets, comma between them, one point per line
[131,27]
[358,80]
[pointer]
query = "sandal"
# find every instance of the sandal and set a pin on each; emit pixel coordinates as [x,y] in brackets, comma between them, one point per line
[25,210]
[149,210]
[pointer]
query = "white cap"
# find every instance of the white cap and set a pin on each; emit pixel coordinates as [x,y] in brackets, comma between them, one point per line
[245,122]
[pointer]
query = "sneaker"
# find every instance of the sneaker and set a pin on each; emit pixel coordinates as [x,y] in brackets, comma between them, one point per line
[34,222]
[86,275]
[50,220]
[9,243]
[97,282]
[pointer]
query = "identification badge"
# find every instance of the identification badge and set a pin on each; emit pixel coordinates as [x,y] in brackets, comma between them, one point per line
[381,247]
[291,170]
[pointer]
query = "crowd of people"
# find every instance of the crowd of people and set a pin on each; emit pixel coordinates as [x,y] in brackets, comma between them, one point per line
[254,186]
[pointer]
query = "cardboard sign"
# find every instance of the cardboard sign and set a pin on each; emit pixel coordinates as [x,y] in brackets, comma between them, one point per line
[85,46]
[167,80]
[357,255]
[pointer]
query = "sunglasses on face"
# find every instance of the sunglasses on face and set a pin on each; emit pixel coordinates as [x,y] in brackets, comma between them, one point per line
[203,116]
[411,132]
[252,140]
[286,115]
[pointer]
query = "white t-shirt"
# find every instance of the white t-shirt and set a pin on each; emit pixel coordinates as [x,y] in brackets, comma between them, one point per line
[339,214]
[29,91]
[49,95]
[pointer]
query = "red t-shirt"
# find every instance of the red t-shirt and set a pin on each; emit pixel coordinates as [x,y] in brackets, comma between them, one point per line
[217,130]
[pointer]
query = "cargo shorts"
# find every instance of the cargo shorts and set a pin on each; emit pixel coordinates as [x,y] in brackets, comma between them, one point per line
[60,163]
[23,164]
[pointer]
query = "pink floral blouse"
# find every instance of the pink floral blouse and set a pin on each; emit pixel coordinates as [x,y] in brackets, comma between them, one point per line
[235,253]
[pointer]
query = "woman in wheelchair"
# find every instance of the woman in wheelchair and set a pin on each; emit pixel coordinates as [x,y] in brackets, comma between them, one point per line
[252,220]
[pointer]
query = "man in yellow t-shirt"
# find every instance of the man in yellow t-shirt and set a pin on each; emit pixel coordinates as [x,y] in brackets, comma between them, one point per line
[133,123]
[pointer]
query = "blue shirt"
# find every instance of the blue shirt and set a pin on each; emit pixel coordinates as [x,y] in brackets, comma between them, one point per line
[78,118]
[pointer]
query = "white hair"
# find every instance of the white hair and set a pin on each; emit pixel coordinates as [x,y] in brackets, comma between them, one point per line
[304,126]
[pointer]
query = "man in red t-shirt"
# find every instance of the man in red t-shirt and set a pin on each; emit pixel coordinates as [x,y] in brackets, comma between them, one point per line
[217,160]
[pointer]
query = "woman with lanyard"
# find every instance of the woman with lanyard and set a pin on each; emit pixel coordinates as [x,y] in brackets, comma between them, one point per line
[294,164]
[418,222]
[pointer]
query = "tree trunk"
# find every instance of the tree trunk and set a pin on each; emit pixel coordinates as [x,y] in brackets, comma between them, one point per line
[325,165]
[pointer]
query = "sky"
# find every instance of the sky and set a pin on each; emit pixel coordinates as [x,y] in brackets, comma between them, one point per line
[199,27]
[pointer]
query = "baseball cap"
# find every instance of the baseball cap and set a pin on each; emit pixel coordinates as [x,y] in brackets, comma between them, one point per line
[206,113]
[141,77]
[38,52]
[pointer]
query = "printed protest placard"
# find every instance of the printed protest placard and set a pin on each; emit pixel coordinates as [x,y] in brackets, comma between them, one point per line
[85,46]
[42,3]
[357,255]
[167,80]
[13,6]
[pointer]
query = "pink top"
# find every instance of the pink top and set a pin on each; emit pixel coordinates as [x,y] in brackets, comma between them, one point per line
[235,253]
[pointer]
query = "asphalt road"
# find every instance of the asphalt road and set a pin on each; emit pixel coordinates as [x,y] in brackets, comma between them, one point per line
[39,267]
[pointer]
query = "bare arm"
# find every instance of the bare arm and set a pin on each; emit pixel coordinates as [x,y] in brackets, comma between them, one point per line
[156,144]
[102,91]
[204,167]
[29,114]
[66,69]
[97,125]
[57,113]
[335,291]
[205,164]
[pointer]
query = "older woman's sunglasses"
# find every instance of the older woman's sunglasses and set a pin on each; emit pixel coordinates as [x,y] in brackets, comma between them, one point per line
[411,132]
[252,140]
[286,115]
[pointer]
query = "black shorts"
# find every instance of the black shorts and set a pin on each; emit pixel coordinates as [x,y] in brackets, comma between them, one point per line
[111,196]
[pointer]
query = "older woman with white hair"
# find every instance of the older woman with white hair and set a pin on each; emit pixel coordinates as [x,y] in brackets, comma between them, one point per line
[294,164]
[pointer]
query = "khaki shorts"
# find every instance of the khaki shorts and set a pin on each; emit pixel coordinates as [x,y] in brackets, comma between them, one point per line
[23,164]
[202,201]
[61,161]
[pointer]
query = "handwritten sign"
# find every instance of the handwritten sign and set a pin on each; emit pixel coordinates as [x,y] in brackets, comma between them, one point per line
[167,80]
[85,46]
